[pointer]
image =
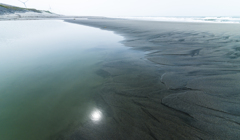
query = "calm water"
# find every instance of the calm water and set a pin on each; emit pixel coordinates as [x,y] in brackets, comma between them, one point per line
[48,76]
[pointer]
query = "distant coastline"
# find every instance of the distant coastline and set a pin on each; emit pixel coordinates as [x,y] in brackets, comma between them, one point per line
[201,19]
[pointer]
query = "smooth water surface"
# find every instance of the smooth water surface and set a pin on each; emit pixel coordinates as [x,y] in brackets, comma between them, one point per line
[48,76]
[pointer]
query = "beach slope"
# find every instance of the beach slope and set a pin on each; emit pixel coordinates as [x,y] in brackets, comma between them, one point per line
[187,88]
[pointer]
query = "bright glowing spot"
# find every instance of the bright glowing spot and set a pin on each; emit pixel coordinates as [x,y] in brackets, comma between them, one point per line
[96,115]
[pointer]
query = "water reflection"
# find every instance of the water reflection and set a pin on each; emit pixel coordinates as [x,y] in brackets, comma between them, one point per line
[48,77]
[96,115]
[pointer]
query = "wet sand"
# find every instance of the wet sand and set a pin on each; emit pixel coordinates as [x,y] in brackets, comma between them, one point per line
[186,86]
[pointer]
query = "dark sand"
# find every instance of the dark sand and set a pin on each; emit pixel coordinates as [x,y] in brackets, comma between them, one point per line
[188,87]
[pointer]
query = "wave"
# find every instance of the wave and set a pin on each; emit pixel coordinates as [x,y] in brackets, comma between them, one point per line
[187,19]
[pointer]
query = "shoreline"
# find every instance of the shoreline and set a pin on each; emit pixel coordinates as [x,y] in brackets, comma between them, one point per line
[195,79]
[18,16]
[185,87]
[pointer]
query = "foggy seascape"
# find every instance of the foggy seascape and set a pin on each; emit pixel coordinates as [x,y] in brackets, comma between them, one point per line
[112,77]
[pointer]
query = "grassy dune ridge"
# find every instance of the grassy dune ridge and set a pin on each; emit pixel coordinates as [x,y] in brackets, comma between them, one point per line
[8,9]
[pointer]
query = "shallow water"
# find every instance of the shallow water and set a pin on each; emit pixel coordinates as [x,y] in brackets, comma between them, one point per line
[48,73]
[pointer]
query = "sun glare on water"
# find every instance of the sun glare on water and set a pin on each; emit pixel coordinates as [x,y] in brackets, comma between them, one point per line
[96,115]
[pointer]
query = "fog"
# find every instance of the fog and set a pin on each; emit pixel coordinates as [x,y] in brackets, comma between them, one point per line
[135,7]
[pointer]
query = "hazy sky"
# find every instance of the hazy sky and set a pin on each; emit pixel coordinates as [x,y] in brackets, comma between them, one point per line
[136,7]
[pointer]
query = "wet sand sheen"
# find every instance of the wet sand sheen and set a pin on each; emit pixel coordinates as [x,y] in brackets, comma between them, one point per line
[186,89]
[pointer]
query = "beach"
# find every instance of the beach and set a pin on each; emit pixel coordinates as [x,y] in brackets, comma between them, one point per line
[186,86]
[104,78]
[89,70]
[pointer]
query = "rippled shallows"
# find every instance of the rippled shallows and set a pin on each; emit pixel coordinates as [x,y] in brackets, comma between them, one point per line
[193,94]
